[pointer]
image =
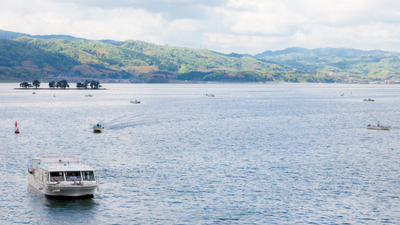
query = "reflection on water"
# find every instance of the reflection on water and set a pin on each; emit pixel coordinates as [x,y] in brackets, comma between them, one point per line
[44,210]
[69,204]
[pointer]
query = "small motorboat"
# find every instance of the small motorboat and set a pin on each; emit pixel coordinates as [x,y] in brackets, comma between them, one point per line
[98,129]
[368,100]
[62,177]
[34,93]
[378,127]
[210,95]
[135,102]
[89,95]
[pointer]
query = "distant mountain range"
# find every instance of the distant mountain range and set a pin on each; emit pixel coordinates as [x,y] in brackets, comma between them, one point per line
[8,35]
[349,64]
[25,57]
[320,52]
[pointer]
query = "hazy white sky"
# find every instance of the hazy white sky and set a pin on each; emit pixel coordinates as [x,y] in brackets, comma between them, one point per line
[241,26]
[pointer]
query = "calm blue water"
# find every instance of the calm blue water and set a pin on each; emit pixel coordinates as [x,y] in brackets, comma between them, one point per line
[254,154]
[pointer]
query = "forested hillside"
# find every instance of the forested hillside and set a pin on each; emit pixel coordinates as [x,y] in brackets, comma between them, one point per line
[349,64]
[25,58]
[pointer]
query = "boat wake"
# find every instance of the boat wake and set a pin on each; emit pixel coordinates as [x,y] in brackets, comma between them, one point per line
[126,122]
[126,125]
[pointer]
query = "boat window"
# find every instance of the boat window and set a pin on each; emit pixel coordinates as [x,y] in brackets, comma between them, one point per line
[56,176]
[73,175]
[88,175]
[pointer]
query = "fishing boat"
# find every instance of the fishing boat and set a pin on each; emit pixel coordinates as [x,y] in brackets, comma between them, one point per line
[62,177]
[368,100]
[135,102]
[98,129]
[378,127]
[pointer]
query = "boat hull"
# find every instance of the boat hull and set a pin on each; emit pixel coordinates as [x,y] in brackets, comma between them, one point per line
[378,128]
[64,189]
[98,129]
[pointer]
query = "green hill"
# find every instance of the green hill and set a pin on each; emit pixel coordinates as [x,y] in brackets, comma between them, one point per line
[26,58]
[20,61]
[348,64]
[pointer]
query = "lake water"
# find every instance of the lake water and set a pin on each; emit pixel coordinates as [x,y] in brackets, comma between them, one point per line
[254,154]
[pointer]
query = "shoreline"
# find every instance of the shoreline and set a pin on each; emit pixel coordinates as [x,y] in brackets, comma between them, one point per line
[60,89]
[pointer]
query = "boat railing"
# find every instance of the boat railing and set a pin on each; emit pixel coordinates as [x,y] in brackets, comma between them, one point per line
[63,182]
[55,164]
[56,159]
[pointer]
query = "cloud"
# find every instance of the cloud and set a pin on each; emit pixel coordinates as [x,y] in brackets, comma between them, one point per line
[277,24]
[243,26]
[171,9]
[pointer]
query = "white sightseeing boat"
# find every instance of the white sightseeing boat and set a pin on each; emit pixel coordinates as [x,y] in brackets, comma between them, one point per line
[62,177]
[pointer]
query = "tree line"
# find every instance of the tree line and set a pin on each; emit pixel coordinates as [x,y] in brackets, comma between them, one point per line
[93,84]
[63,84]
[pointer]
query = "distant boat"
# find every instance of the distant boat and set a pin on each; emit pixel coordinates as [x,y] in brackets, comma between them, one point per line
[89,95]
[210,95]
[34,93]
[342,94]
[135,102]
[378,127]
[98,129]
[368,100]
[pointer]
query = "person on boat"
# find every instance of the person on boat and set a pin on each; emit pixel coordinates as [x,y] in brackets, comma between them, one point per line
[98,125]
[378,124]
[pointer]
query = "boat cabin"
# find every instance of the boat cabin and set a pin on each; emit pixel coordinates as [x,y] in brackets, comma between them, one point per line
[57,176]
[57,170]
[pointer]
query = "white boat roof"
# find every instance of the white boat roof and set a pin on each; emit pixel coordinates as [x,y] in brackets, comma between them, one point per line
[61,163]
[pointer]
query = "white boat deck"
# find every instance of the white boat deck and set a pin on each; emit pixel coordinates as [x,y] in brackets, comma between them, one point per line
[60,163]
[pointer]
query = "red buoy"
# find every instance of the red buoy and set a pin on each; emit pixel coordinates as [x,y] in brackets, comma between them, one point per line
[16,128]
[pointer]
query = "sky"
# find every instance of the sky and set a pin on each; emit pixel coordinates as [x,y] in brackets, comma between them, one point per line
[240,26]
